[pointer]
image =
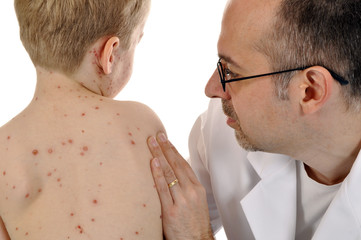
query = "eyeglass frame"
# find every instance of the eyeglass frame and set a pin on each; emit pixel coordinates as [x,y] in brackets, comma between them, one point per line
[220,69]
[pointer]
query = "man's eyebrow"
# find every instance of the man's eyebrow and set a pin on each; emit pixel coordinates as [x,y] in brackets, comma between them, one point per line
[229,60]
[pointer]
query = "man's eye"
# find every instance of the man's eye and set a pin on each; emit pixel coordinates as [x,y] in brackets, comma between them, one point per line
[229,74]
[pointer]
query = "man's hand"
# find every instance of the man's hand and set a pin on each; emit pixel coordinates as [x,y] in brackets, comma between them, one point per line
[183,199]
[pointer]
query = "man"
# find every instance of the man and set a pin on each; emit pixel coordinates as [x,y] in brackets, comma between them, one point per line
[289,79]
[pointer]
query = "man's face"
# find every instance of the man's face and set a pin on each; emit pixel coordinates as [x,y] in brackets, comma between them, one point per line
[252,107]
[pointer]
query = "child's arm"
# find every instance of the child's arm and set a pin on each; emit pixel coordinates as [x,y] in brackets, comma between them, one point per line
[3,233]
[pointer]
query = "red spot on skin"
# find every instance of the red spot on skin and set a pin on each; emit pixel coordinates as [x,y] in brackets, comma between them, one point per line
[59,179]
[71,214]
[14,187]
[82,131]
[63,143]
[27,195]
[54,169]
[161,216]
[50,151]
[4,173]
[81,154]
[17,229]
[59,87]
[130,134]
[35,152]
[9,137]
[96,108]
[99,185]
[40,190]
[93,220]
[95,201]
[65,115]
[133,143]
[49,174]
[26,234]
[144,205]
[60,185]
[118,114]
[70,141]
[80,229]
[136,233]
[101,100]
[101,164]
[36,99]
[85,148]
[138,129]
[83,114]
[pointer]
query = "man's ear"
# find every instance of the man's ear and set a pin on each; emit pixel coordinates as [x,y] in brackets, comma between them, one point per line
[316,89]
[107,54]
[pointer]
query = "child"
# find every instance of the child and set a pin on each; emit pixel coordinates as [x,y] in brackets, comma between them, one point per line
[75,163]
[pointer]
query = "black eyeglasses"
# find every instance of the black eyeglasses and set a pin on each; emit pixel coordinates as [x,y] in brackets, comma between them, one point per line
[223,75]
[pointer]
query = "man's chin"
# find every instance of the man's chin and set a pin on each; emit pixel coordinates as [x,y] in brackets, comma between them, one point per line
[245,143]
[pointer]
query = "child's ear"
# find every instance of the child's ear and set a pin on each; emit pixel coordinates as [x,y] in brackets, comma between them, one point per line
[107,54]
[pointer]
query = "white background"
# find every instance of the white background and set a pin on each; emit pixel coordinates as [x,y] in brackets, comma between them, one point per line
[173,62]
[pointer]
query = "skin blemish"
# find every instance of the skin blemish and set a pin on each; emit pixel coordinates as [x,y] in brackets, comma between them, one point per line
[71,214]
[145,205]
[14,187]
[17,229]
[81,154]
[27,195]
[95,201]
[82,131]
[138,129]
[96,108]
[63,143]
[93,220]
[4,173]
[49,174]
[65,115]
[58,180]
[27,234]
[80,229]
[133,143]
[130,134]
[9,137]
[118,114]
[50,151]
[85,148]
[59,87]
[101,164]
[101,100]
[136,233]
[40,190]
[35,152]
[83,114]
[70,141]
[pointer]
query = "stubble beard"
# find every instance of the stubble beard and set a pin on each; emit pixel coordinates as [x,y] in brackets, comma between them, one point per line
[242,139]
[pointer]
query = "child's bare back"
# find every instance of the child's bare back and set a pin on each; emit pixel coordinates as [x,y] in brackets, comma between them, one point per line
[75,164]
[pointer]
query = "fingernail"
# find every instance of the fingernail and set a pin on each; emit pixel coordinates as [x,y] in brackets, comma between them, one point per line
[153,141]
[156,162]
[162,137]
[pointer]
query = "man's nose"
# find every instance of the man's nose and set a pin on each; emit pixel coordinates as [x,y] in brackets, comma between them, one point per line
[214,87]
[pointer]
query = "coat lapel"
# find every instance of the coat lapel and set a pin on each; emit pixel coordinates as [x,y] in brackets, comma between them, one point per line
[342,219]
[270,207]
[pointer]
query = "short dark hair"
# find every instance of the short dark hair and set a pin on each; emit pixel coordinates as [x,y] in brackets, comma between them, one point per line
[318,32]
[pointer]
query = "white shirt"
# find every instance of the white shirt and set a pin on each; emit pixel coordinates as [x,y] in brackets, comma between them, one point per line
[313,199]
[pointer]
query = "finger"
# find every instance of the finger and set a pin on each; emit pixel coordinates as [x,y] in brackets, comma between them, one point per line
[167,170]
[179,165]
[161,184]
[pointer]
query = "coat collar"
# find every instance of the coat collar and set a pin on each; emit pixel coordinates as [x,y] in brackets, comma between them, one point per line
[271,207]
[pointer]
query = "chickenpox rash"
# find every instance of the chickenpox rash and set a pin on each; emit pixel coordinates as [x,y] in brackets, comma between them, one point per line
[80,229]
[130,134]
[4,173]
[83,114]
[70,141]
[145,205]
[9,137]
[27,195]
[35,152]
[93,220]
[49,174]
[50,151]
[85,148]
[95,201]
[96,108]
[71,214]
[40,190]
[133,143]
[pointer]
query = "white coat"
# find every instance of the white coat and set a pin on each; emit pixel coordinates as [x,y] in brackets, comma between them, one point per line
[253,194]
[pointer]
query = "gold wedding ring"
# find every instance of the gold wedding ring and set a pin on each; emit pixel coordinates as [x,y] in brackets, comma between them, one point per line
[170,185]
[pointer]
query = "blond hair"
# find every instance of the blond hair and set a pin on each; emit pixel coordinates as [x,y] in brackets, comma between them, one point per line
[58,33]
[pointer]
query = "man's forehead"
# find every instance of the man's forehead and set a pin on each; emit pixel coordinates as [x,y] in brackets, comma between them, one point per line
[244,24]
